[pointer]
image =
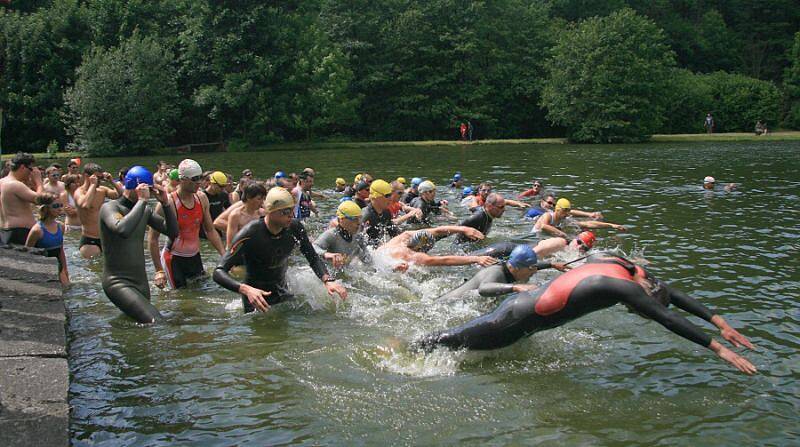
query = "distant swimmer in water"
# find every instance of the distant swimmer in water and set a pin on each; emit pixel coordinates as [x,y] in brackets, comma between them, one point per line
[600,283]
[122,226]
[710,184]
[504,278]
[413,246]
[555,222]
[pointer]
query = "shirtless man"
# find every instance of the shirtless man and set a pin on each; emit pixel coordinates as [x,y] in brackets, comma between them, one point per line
[412,247]
[161,177]
[16,198]
[89,198]
[251,209]
[52,182]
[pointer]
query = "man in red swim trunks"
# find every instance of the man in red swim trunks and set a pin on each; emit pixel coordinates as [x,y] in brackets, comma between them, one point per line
[602,282]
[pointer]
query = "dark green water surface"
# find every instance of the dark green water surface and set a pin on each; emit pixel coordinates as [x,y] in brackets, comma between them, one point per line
[313,372]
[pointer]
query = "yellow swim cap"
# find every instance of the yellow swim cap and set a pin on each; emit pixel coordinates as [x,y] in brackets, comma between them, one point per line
[401,180]
[340,181]
[278,199]
[349,209]
[219,178]
[563,204]
[358,178]
[379,188]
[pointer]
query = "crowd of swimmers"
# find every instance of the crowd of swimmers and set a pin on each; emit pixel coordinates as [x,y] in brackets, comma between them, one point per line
[256,224]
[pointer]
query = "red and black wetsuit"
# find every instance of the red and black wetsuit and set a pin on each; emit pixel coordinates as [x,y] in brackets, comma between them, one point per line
[601,283]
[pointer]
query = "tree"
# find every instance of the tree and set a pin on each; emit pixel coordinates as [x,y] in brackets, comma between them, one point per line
[791,84]
[123,101]
[607,79]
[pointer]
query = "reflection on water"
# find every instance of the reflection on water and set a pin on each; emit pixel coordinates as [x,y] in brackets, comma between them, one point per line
[320,371]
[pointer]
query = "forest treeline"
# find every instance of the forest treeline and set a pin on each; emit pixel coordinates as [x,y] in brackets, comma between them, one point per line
[128,76]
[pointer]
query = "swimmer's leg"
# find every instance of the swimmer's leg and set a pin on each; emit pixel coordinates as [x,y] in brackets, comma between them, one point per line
[499,250]
[512,320]
[131,302]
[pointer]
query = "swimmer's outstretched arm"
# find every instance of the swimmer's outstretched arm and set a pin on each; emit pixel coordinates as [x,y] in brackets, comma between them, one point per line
[649,307]
[425,259]
[121,225]
[694,307]
[592,224]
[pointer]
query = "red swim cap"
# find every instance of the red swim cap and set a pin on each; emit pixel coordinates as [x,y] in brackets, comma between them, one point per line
[588,238]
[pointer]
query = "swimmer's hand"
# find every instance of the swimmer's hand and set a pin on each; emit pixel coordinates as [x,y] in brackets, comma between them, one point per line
[619,228]
[473,234]
[597,215]
[730,334]
[401,267]
[741,363]
[161,194]
[485,261]
[255,297]
[560,266]
[523,287]
[160,279]
[334,287]
[143,191]
[337,259]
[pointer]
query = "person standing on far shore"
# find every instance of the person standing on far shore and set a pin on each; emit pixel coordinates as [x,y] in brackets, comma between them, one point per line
[709,123]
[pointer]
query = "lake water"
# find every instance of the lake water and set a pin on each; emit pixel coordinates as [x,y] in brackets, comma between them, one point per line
[313,372]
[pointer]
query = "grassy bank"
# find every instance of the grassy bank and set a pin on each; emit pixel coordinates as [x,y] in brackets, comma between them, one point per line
[678,138]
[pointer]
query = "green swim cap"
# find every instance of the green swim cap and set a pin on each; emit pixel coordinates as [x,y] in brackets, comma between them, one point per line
[173,175]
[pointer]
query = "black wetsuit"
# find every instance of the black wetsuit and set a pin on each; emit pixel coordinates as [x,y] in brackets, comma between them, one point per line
[490,281]
[427,208]
[378,226]
[596,285]
[266,259]
[409,196]
[479,220]
[122,227]
[217,204]
[498,250]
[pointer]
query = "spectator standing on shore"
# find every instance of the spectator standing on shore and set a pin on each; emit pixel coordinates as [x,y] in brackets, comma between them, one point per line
[463,129]
[709,123]
[469,129]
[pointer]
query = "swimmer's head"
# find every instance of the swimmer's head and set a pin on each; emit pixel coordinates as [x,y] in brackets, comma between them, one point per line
[357,178]
[584,241]
[709,182]
[426,186]
[563,204]
[173,175]
[340,182]
[380,188]
[219,178]
[468,191]
[415,182]
[401,180]
[348,210]
[523,257]
[279,201]
[457,177]
[137,175]
[421,241]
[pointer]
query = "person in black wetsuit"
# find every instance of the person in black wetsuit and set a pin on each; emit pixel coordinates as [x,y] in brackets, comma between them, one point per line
[376,219]
[504,278]
[122,225]
[264,246]
[494,206]
[218,198]
[601,283]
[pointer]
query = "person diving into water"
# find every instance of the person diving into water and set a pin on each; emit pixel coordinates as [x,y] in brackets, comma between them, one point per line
[600,283]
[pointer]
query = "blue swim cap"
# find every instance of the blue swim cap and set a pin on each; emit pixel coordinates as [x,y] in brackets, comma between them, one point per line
[523,256]
[136,175]
[468,191]
[457,177]
[416,181]
[280,174]
[345,199]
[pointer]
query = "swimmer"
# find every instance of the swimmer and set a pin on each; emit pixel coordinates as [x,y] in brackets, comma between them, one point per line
[484,189]
[249,210]
[340,185]
[547,204]
[710,183]
[304,206]
[556,222]
[52,181]
[180,260]
[481,219]
[263,246]
[396,205]
[161,176]
[427,203]
[582,243]
[16,198]
[536,192]
[122,226]
[599,284]
[48,234]
[412,192]
[457,182]
[412,247]
[500,279]
[74,165]
[98,186]
[376,220]
[467,196]
[72,221]
[339,245]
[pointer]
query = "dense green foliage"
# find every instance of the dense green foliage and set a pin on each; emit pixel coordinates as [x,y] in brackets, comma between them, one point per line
[256,71]
[123,99]
[607,79]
